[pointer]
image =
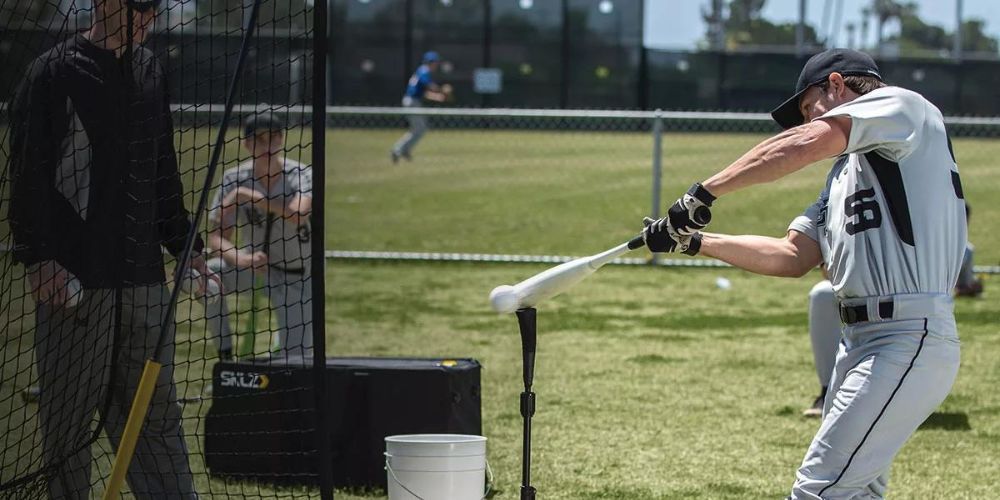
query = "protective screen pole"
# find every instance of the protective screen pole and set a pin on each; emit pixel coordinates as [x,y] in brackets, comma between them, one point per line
[144,393]
[526,322]
[654,211]
[318,221]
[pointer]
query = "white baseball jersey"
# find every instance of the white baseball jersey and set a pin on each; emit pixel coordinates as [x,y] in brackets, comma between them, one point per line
[891,219]
[287,245]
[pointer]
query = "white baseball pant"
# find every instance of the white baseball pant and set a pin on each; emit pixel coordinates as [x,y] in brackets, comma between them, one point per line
[290,295]
[889,377]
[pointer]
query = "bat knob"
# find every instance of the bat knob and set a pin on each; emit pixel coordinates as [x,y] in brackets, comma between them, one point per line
[636,242]
[702,215]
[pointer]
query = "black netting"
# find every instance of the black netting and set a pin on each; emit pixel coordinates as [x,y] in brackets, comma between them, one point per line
[146,143]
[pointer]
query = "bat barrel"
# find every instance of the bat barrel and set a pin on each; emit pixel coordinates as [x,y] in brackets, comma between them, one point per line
[556,280]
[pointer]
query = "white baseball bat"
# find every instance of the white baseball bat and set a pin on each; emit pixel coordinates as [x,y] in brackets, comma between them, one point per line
[552,282]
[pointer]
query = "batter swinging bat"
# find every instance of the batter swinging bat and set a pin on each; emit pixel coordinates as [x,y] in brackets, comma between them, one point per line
[552,282]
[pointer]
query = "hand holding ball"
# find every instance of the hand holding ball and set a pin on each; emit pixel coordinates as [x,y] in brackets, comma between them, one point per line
[74,291]
[191,284]
[448,91]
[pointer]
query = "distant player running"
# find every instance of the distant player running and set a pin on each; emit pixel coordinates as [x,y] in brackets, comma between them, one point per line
[420,86]
[268,199]
[890,227]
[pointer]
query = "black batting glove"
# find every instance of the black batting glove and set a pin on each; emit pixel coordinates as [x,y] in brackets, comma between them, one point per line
[659,238]
[690,213]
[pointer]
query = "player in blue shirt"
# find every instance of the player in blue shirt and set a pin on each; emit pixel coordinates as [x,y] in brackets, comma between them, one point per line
[420,86]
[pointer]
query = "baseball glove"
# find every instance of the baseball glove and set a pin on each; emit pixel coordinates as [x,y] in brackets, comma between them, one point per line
[448,91]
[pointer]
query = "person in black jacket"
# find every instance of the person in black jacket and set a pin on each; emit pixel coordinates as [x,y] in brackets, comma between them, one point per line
[95,194]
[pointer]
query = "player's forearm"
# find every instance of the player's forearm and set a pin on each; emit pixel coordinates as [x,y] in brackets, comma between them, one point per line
[295,212]
[218,243]
[759,254]
[174,222]
[29,220]
[33,151]
[779,156]
[298,210]
[435,96]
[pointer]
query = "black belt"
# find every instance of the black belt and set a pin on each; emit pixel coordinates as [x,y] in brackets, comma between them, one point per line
[859,313]
[288,271]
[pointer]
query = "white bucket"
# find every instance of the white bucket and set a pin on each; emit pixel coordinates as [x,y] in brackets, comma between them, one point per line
[436,467]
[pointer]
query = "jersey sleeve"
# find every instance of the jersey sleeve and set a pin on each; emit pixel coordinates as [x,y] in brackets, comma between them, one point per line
[35,125]
[229,183]
[967,274]
[305,180]
[425,77]
[808,222]
[174,219]
[424,80]
[888,120]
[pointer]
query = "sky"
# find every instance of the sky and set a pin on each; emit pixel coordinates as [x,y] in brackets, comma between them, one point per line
[677,24]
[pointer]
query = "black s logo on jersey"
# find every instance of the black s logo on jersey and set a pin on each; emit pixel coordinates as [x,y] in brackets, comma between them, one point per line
[254,216]
[862,211]
[304,232]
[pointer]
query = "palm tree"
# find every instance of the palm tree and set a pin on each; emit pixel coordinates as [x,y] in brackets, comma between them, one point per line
[865,14]
[886,10]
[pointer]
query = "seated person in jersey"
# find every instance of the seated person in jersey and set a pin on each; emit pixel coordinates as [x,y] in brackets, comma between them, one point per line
[265,202]
[968,284]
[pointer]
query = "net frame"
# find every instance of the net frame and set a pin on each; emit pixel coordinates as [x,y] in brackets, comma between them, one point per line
[26,473]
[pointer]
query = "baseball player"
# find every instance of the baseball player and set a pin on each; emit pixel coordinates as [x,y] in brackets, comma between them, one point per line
[95,195]
[419,87]
[890,228]
[968,284]
[824,335]
[269,199]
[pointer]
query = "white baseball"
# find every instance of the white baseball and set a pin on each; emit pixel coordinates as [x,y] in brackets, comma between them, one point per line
[74,292]
[503,299]
[212,292]
[190,285]
[723,283]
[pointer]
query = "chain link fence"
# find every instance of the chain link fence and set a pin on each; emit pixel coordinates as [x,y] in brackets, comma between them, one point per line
[540,185]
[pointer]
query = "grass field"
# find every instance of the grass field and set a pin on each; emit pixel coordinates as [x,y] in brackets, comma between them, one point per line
[642,394]
[651,382]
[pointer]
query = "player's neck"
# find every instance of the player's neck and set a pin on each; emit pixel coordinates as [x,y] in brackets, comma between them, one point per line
[267,169]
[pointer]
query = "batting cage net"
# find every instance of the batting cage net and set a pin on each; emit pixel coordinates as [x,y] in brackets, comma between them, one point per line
[157,318]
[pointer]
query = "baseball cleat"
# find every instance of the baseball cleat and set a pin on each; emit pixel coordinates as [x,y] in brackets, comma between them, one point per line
[816,410]
[31,394]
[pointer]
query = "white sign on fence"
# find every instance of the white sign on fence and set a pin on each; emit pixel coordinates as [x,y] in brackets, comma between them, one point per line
[487,80]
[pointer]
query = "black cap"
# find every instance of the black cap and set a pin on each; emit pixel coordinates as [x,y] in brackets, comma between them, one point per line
[265,121]
[143,5]
[818,68]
